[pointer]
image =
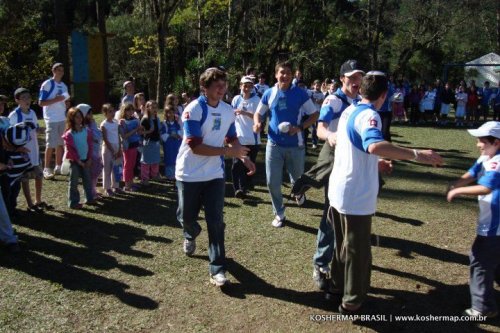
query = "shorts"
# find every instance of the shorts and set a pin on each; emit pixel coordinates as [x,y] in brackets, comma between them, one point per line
[53,134]
[34,173]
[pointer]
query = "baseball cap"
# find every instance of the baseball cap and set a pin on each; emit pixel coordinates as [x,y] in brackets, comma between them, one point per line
[57,64]
[20,91]
[350,67]
[490,128]
[84,108]
[246,79]
[18,135]
[126,83]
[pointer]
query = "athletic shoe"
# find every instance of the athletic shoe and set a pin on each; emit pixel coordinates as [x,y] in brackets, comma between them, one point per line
[48,174]
[12,248]
[321,275]
[314,146]
[239,194]
[473,313]
[218,279]
[109,192]
[278,222]
[301,186]
[189,247]
[57,170]
[119,190]
[300,199]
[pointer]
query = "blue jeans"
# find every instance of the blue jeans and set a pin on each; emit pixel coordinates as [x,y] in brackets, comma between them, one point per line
[325,240]
[293,158]
[75,173]
[210,195]
[6,232]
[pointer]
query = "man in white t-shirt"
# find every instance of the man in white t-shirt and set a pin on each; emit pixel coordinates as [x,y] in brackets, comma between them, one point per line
[244,106]
[53,94]
[199,170]
[353,188]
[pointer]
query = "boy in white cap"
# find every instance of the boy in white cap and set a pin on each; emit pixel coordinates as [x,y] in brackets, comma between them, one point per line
[484,257]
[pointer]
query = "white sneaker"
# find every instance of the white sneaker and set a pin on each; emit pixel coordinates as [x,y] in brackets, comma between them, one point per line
[321,275]
[473,313]
[314,146]
[300,199]
[278,221]
[218,279]
[48,174]
[189,247]
[57,170]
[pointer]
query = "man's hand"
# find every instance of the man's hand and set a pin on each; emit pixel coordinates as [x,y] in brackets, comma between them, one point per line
[385,166]
[294,130]
[249,165]
[257,127]
[429,157]
[237,151]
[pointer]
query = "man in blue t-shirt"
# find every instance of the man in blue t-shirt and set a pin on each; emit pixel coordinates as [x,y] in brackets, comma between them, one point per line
[286,105]
[485,95]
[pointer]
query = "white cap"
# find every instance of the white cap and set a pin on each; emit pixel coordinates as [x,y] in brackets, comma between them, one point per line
[490,128]
[284,127]
[84,108]
[246,79]
[126,83]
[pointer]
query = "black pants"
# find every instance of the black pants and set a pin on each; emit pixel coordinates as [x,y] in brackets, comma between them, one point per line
[386,118]
[241,181]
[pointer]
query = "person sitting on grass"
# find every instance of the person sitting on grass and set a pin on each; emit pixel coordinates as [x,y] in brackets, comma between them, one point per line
[485,253]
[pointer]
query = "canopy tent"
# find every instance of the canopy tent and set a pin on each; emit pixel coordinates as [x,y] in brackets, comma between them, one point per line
[484,73]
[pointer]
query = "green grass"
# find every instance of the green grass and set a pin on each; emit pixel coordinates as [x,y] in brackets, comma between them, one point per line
[119,267]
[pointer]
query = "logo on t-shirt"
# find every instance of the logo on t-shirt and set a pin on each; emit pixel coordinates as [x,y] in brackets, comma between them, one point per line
[373,123]
[493,165]
[217,123]
[186,115]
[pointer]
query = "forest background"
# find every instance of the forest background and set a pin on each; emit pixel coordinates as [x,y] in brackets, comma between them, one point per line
[165,44]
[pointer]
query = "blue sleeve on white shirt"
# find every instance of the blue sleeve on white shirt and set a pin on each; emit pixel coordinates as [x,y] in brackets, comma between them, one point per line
[326,114]
[371,135]
[231,132]
[192,128]
[490,179]
[475,169]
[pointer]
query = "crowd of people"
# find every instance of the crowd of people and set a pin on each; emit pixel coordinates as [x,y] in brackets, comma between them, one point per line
[352,116]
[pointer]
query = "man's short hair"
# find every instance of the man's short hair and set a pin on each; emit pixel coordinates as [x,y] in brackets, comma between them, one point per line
[210,75]
[373,85]
[262,76]
[284,64]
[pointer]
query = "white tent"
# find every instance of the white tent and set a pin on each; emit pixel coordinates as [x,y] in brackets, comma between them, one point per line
[483,73]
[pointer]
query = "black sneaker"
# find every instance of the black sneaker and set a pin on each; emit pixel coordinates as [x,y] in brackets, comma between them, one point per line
[12,248]
[300,187]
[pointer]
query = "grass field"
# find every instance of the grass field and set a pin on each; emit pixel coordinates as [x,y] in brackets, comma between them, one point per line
[119,267]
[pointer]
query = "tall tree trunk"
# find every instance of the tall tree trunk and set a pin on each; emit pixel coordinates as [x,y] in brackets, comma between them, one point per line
[101,23]
[163,11]
[61,27]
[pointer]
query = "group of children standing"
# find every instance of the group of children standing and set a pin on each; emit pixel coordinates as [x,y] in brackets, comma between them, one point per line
[130,138]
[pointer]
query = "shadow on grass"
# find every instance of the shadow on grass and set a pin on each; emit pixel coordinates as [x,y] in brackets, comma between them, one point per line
[58,261]
[407,247]
[251,284]
[395,218]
